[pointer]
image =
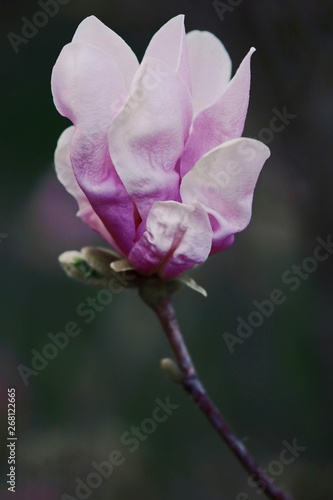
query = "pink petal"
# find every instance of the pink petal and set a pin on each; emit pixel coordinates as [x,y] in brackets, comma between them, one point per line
[86,84]
[169,45]
[222,121]
[93,32]
[223,182]
[148,135]
[210,68]
[177,238]
[66,177]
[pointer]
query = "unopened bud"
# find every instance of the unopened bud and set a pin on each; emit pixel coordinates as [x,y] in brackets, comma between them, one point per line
[100,259]
[76,266]
[93,266]
[171,370]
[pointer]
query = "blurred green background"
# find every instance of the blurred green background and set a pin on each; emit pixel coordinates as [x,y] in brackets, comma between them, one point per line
[277,385]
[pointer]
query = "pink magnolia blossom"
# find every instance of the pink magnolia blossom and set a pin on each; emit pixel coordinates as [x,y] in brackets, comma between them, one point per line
[155,157]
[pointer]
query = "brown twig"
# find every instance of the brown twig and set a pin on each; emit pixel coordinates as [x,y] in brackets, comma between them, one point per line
[194,387]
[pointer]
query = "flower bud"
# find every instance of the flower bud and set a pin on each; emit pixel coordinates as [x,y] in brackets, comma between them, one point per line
[171,370]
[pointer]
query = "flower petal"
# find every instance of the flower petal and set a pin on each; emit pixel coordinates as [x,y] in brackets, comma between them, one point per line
[223,182]
[148,135]
[222,121]
[178,236]
[86,84]
[169,45]
[210,68]
[66,176]
[93,32]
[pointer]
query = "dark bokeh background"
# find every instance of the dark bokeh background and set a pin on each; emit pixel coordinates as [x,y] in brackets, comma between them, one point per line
[277,385]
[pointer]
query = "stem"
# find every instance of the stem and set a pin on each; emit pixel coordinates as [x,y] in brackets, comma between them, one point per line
[194,387]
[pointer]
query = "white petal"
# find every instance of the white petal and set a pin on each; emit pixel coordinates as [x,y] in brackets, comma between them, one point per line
[210,68]
[93,32]
[169,45]
[223,182]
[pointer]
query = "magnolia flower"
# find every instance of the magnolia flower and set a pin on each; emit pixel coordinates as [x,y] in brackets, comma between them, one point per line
[155,157]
